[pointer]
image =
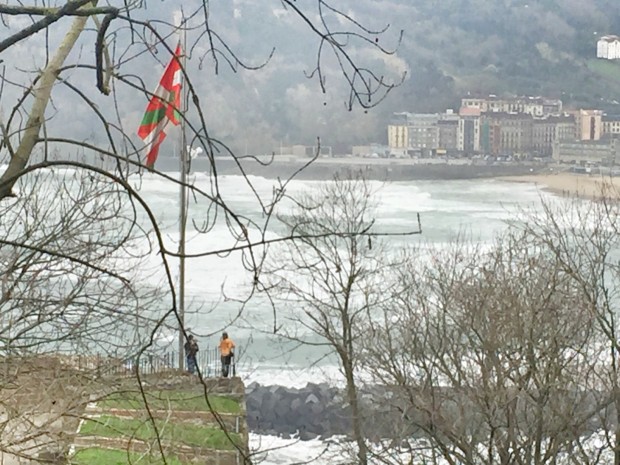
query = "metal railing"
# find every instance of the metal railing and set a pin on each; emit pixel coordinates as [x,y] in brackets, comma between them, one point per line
[208,362]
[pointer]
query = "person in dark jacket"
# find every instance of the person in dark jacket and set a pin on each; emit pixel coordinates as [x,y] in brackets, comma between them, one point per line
[191,350]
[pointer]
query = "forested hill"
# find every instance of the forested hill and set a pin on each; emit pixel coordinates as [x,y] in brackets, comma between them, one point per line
[449,48]
[505,46]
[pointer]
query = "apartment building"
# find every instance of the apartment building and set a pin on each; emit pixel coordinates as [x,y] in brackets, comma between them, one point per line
[448,134]
[543,135]
[588,124]
[611,125]
[506,133]
[547,131]
[608,47]
[469,130]
[595,152]
[398,132]
[491,132]
[565,128]
[509,133]
[423,133]
[538,107]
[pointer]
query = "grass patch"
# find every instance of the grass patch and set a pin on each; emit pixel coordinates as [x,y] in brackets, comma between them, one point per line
[181,433]
[99,456]
[606,68]
[174,400]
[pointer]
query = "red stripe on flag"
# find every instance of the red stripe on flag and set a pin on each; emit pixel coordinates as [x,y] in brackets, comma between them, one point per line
[164,105]
[152,155]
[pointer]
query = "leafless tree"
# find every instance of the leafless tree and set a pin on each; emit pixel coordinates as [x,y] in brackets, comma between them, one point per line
[74,227]
[71,290]
[488,358]
[332,276]
[582,237]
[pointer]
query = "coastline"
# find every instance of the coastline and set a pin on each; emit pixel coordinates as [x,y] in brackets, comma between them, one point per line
[564,184]
[373,169]
[560,183]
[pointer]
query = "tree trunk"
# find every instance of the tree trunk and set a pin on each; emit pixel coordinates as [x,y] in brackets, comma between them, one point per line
[356,419]
[41,93]
[617,432]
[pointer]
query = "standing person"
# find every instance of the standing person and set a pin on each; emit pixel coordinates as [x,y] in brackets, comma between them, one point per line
[191,349]
[226,352]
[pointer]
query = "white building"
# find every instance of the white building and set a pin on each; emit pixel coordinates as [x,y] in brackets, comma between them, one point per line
[538,107]
[608,47]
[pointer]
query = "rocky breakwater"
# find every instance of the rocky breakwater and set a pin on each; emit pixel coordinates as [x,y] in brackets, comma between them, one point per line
[319,410]
[312,411]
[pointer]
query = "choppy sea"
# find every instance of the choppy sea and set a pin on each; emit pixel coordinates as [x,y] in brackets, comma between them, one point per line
[478,209]
[216,283]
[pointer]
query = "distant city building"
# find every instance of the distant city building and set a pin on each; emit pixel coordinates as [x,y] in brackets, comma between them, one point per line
[516,132]
[307,151]
[588,124]
[611,125]
[538,107]
[588,152]
[398,132]
[469,130]
[546,132]
[510,133]
[608,47]
[498,126]
[543,135]
[423,133]
[565,128]
[448,134]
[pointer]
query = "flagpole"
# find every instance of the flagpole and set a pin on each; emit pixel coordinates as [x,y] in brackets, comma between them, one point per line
[183,209]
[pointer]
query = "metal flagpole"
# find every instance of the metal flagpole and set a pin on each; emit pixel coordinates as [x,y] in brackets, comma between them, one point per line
[183,207]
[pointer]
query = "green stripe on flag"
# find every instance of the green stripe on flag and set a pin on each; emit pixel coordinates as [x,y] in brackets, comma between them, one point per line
[153,117]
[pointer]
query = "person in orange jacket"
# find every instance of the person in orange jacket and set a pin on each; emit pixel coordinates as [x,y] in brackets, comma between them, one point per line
[226,353]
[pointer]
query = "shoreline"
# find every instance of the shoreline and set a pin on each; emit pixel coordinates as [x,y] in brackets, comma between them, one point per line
[372,169]
[564,184]
[560,183]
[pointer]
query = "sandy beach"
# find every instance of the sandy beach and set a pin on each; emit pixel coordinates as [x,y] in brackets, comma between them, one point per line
[573,185]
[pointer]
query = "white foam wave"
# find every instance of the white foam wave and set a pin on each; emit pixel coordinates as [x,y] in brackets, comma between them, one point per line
[272,450]
[292,377]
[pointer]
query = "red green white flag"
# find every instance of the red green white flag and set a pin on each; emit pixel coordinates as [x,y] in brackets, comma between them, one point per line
[162,109]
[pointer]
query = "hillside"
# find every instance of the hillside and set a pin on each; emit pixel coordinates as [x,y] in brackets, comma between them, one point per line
[509,46]
[449,48]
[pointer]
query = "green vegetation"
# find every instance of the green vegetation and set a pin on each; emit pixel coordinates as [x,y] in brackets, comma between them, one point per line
[608,70]
[98,456]
[179,433]
[547,47]
[174,400]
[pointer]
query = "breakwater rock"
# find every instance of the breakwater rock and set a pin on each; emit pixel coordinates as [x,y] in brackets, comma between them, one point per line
[321,410]
[312,411]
